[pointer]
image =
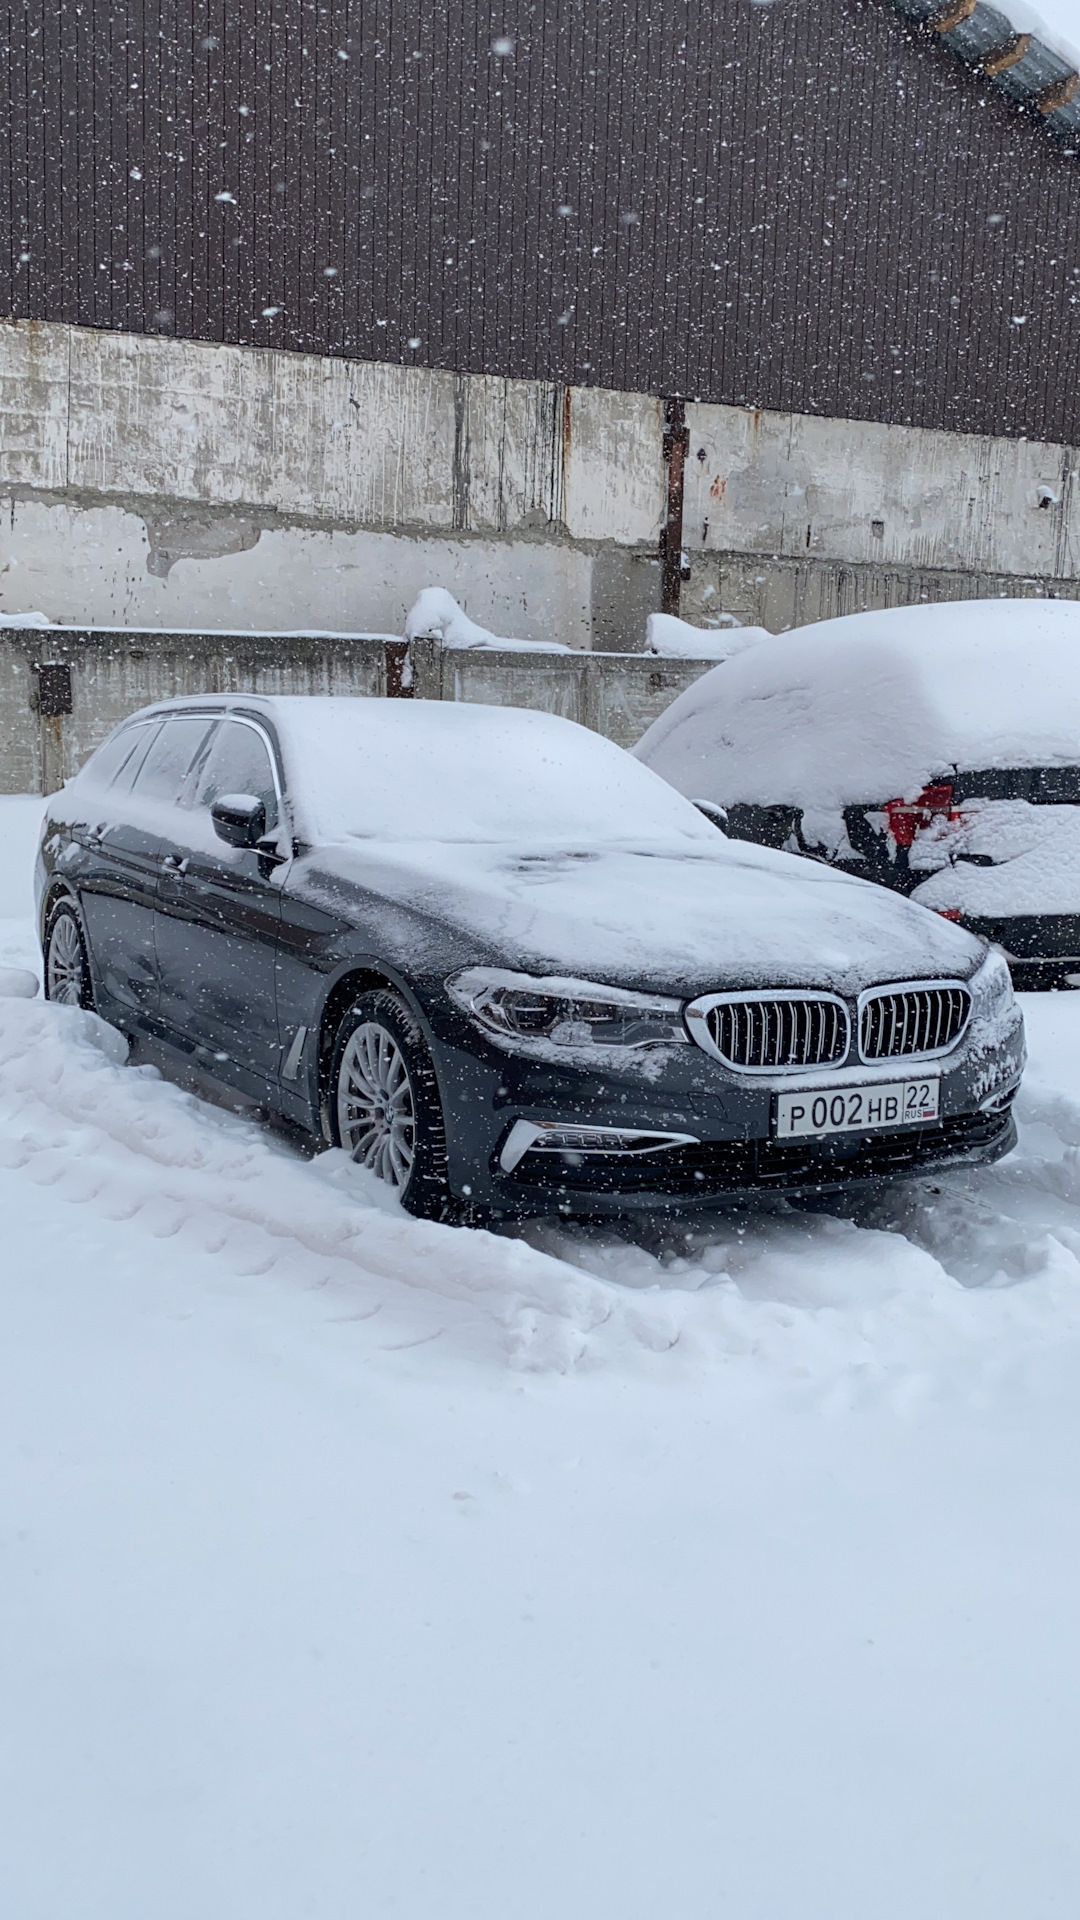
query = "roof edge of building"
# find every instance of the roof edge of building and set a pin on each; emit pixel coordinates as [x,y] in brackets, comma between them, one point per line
[1039,81]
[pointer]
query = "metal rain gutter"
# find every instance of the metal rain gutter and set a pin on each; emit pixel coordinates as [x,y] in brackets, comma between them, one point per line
[1037,79]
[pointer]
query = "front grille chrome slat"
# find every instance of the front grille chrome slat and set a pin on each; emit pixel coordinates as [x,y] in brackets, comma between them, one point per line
[774,1032]
[796,1031]
[912,1022]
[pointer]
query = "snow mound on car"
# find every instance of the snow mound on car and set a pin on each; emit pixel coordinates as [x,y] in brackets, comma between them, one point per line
[872,706]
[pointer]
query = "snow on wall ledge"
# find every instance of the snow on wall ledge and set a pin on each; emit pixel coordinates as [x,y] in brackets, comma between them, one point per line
[164,483]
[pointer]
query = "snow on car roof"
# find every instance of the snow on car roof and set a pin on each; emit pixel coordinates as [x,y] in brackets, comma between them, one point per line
[870,706]
[454,771]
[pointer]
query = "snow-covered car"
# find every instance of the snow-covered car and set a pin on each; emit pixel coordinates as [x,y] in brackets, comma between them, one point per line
[933,749]
[507,967]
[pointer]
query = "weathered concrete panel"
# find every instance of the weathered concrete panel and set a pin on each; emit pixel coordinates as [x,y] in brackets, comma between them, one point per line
[33,404]
[781,593]
[615,474]
[20,753]
[625,590]
[516,680]
[622,699]
[326,439]
[791,484]
[350,441]
[103,566]
[508,458]
[356,442]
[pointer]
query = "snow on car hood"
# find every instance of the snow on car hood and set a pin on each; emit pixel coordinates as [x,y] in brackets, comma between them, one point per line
[683,920]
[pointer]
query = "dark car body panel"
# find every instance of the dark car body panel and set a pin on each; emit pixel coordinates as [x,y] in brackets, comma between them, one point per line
[216,929]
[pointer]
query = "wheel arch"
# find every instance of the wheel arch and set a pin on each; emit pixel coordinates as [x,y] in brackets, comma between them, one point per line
[58,892]
[360,977]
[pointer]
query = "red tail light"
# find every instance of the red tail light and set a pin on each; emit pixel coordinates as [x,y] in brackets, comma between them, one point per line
[909,817]
[949,913]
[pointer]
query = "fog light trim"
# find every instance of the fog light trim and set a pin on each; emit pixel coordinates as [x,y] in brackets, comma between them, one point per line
[549,1136]
[1001,1098]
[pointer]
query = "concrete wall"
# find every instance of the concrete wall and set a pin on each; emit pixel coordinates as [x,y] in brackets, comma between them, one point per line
[153,483]
[115,673]
[163,483]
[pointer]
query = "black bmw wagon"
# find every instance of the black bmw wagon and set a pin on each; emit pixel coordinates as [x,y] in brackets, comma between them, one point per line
[508,968]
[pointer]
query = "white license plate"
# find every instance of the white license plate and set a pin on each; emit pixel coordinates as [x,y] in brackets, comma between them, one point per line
[903,1103]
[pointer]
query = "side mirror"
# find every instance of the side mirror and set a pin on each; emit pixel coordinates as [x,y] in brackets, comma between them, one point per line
[239,819]
[718,815]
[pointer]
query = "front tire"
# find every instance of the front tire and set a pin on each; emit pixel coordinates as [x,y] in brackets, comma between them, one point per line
[384,1103]
[67,963]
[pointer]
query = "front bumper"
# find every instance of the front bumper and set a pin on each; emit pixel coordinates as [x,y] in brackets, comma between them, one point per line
[718,1172]
[731,1154]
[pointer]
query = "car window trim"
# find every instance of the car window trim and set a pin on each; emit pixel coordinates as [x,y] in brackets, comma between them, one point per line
[151,727]
[243,720]
[166,720]
[186,801]
[123,731]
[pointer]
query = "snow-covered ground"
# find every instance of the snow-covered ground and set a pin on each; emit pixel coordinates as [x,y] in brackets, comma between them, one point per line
[358,1566]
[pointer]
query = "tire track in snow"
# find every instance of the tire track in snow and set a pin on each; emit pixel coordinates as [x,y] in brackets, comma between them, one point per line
[864,1299]
[75,1118]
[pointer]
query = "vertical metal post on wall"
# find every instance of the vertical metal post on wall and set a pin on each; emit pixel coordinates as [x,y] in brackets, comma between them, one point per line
[399,674]
[676,445]
[52,698]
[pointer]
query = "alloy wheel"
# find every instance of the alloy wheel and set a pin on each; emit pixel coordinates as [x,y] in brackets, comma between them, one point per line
[375,1108]
[65,967]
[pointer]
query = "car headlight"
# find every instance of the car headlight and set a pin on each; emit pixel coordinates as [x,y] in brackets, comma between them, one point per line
[992,987]
[565,1013]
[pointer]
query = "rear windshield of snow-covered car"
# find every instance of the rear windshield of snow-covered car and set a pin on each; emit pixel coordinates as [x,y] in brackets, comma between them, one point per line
[425,770]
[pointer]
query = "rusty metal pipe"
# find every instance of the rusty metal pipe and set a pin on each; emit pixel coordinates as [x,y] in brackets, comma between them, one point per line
[676,443]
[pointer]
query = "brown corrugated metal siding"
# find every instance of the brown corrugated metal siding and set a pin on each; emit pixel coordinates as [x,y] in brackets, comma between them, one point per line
[806,205]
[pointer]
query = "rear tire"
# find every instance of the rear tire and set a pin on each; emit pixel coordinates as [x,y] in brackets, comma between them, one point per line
[67,963]
[385,1109]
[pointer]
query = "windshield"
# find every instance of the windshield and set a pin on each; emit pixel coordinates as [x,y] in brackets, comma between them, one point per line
[428,770]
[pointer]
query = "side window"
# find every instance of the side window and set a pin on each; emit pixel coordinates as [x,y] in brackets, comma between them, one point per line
[166,766]
[238,762]
[143,738]
[123,749]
